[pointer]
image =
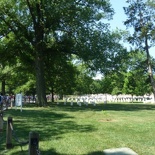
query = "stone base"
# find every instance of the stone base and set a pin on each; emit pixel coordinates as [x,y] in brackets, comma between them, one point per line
[119,151]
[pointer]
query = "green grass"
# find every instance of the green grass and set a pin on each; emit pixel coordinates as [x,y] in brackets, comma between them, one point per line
[66,130]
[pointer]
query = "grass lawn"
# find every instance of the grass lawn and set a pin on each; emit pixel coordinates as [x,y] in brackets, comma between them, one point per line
[85,130]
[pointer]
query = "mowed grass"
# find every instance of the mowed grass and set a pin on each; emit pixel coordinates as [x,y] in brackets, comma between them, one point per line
[85,130]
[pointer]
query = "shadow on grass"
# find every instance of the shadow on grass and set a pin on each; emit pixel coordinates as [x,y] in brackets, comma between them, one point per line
[108,106]
[54,152]
[46,122]
[50,124]
[96,153]
[129,107]
[48,152]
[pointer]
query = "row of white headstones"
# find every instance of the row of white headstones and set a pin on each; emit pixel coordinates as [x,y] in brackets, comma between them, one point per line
[80,101]
[85,100]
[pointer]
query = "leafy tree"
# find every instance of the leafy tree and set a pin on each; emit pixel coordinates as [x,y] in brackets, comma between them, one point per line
[56,26]
[117,82]
[131,78]
[83,78]
[141,18]
[18,63]
[96,87]
[60,78]
[106,84]
[136,80]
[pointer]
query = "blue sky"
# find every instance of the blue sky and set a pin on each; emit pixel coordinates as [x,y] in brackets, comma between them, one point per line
[119,17]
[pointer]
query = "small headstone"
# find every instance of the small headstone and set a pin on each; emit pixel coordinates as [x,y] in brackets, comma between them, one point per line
[71,103]
[119,151]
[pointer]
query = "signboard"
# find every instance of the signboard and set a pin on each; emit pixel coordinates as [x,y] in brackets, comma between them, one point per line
[18,101]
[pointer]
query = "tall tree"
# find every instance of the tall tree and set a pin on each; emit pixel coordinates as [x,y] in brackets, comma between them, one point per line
[65,24]
[136,78]
[16,65]
[141,18]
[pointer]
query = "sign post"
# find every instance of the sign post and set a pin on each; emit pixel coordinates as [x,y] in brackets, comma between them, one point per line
[19,101]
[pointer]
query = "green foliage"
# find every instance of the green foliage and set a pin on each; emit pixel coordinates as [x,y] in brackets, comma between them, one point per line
[40,38]
[141,19]
[136,79]
[132,78]
[44,30]
[83,80]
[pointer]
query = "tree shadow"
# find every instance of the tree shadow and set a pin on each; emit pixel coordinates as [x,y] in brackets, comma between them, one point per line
[51,125]
[96,153]
[47,152]
[108,106]
[129,107]
[54,152]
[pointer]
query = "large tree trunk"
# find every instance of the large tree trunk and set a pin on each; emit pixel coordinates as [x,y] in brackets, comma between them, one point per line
[40,81]
[39,62]
[39,49]
[150,67]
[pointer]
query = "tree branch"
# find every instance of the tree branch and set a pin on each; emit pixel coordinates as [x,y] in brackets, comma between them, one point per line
[31,12]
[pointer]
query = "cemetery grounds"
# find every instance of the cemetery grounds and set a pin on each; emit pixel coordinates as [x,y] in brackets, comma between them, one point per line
[83,130]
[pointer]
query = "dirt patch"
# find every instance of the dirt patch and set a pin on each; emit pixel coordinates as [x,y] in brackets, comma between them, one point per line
[107,120]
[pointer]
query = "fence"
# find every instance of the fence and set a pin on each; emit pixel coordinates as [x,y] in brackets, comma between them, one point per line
[33,140]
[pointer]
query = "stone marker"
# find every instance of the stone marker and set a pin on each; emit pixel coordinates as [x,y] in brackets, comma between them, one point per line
[119,151]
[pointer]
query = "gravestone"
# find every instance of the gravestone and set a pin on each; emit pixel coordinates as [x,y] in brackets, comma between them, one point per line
[119,151]
[71,102]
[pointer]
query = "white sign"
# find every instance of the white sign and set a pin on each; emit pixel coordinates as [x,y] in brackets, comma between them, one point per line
[19,100]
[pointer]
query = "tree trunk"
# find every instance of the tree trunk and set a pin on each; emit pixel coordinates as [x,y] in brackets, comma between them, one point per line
[3,87]
[150,67]
[52,94]
[39,61]
[40,81]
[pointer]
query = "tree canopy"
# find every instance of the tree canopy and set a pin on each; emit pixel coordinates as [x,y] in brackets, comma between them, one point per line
[41,41]
[140,16]
[54,27]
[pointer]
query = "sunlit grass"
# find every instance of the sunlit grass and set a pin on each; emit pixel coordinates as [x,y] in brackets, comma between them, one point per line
[67,130]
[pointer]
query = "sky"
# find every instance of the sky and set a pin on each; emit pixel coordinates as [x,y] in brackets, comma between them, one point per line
[120,16]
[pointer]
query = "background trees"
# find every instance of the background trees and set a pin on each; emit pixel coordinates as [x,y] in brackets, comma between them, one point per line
[141,18]
[42,40]
[65,27]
